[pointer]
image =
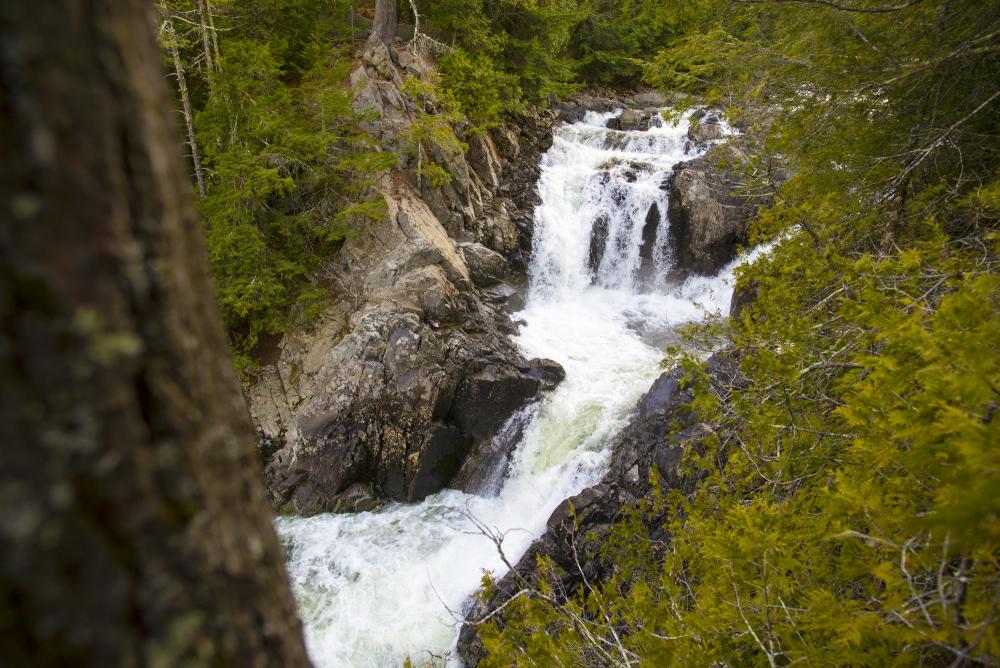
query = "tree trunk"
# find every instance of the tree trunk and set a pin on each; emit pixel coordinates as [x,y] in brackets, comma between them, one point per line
[386,21]
[215,36]
[134,529]
[182,89]
[206,41]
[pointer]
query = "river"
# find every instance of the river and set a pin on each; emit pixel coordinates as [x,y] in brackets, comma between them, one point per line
[376,587]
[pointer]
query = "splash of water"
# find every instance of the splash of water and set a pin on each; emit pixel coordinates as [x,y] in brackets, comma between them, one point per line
[376,587]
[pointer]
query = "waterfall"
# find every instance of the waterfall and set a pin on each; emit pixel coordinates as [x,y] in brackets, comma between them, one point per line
[376,587]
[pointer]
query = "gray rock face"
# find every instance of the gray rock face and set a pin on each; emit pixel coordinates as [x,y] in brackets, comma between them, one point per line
[707,220]
[486,267]
[411,368]
[632,119]
[386,401]
[705,128]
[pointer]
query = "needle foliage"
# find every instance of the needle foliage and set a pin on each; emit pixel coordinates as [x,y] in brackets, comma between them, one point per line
[850,507]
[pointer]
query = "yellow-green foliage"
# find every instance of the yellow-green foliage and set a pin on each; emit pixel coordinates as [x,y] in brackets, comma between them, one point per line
[850,514]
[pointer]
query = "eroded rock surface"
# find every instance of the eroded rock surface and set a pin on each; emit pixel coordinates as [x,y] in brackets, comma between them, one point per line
[395,394]
[709,217]
[411,367]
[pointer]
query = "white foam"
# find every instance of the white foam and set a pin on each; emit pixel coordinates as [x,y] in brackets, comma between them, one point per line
[375,587]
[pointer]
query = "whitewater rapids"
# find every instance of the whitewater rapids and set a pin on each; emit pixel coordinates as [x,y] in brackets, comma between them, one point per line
[376,587]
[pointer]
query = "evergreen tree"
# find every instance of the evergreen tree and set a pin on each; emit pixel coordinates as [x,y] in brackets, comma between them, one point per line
[849,511]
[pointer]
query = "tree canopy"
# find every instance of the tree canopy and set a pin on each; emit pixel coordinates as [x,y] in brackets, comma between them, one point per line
[849,514]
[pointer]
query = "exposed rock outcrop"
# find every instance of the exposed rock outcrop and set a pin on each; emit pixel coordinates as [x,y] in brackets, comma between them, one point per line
[491,193]
[395,394]
[706,127]
[708,218]
[486,267]
[410,369]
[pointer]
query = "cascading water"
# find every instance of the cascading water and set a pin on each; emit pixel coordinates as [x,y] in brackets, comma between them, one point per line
[376,587]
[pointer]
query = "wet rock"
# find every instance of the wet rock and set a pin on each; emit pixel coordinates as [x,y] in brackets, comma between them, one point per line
[632,119]
[487,465]
[485,399]
[708,220]
[649,228]
[439,460]
[357,498]
[571,111]
[705,132]
[660,396]
[598,243]
[548,373]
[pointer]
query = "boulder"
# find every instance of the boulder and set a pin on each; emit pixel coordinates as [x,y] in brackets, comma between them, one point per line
[570,111]
[705,132]
[486,398]
[486,267]
[547,372]
[708,220]
[632,119]
[650,98]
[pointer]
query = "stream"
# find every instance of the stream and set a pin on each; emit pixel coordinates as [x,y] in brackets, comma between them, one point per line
[376,587]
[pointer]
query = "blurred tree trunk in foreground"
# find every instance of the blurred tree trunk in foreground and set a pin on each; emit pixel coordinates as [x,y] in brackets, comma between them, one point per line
[133,526]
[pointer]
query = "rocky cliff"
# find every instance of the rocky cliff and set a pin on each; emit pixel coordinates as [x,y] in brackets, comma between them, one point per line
[411,368]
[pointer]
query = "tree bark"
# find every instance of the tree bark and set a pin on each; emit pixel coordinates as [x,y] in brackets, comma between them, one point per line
[182,89]
[386,21]
[134,529]
[215,36]
[206,41]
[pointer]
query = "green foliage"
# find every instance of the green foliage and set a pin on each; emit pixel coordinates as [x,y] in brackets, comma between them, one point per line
[431,134]
[510,51]
[288,172]
[484,93]
[850,508]
[612,44]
